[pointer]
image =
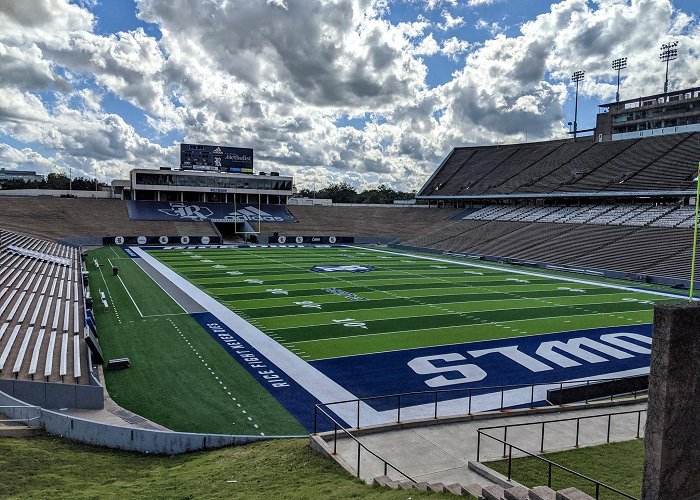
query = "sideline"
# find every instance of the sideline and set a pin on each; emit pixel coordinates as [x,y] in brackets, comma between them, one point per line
[127,291]
[309,378]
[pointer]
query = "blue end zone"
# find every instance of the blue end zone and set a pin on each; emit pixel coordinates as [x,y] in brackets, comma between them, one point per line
[289,393]
[527,360]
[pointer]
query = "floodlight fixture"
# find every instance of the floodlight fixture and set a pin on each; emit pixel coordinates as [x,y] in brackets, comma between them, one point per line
[619,65]
[669,52]
[576,78]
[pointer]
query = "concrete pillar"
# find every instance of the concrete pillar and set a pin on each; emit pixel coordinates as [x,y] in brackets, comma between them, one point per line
[672,437]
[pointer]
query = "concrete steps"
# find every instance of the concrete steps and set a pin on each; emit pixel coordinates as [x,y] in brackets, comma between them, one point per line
[493,492]
[16,430]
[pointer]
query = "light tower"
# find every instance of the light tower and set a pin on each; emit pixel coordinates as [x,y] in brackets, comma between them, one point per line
[619,64]
[576,77]
[669,52]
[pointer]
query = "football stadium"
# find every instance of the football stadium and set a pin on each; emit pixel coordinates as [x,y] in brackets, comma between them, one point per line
[532,267]
[202,330]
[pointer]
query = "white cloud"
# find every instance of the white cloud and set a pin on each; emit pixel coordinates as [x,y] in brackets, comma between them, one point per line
[277,75]
[450,22]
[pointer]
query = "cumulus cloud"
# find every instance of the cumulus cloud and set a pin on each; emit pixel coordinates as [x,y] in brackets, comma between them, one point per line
[277,75]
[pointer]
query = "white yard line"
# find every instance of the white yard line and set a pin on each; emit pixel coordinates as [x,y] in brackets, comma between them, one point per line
[526,273]
[312,380]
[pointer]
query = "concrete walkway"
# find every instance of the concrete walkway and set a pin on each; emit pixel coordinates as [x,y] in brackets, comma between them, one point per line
[441,452]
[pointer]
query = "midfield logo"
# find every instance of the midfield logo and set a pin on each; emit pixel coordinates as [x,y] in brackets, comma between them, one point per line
[342,269]
[182,211]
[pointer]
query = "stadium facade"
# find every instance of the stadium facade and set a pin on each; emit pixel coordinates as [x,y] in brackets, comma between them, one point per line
[207,174]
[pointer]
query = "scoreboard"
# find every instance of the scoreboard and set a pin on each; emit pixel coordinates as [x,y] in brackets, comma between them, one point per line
[216,158]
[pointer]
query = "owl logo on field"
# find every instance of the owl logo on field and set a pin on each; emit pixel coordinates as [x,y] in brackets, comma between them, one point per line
[353,268]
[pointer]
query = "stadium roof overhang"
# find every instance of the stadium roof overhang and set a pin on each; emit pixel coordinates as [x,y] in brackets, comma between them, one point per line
[561,195]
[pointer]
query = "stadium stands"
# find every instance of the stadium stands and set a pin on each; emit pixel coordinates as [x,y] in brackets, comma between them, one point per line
[360,221]
[59,218]
[616,215]
[664,162]
[40,311]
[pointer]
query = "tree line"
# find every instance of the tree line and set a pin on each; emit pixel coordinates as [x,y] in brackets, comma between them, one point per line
[345,193]
[54,181]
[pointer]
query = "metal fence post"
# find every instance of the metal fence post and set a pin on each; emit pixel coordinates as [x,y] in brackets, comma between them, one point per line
[532,396]
[510,462]
[335,438]
[478,445]
[542,441]
[505,439]
[639,421]
[358,414]
[609,419]
[578,422]
[549,476]
[358,458]
[502,391]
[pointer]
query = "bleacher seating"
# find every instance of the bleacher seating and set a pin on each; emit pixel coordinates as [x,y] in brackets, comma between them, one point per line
[657,163]
[58,218]
[40,305]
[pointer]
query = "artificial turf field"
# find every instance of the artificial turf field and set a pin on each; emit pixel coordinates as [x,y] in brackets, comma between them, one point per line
[389,323]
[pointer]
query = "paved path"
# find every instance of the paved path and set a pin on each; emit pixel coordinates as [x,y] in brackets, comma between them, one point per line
[440,453]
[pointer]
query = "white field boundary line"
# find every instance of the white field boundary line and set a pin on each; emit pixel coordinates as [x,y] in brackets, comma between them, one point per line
[166,293]
[127,291]
[312,380]
[525,273]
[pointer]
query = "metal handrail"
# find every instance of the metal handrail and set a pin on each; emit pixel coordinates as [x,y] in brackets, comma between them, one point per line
[470,391]
[26,420]
[509,447]
[360,447]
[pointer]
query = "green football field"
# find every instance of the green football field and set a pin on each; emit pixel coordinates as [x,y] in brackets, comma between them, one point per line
[403,302]
[310,304]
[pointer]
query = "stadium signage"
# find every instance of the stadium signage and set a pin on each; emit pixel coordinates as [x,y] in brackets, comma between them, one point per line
[222,158]
[548,356]
[247,357]
[533,359]
[217,212]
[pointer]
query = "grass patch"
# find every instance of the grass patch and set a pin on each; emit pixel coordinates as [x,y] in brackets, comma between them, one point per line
[619,465]
[50,467]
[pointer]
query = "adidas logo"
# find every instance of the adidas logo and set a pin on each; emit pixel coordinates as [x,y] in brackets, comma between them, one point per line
[217,151]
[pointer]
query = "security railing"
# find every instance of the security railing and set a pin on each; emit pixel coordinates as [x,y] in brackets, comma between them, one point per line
[337,426]
[27,419]
[508,447]
[434,398]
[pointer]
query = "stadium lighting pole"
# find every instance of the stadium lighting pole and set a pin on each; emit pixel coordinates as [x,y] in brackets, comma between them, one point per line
[669,52]
[576,77]
[619,64]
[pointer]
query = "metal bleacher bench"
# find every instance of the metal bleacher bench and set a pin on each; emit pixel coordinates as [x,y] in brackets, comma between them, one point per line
[104,300]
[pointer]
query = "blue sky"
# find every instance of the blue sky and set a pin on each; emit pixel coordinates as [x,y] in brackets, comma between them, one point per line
[325,92]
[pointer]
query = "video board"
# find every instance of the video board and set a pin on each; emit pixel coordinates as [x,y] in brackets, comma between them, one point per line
[206,157]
